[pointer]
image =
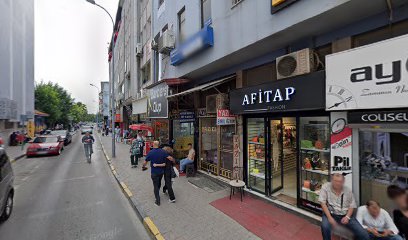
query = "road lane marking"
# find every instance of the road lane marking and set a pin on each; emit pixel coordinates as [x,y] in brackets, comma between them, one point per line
[74,179]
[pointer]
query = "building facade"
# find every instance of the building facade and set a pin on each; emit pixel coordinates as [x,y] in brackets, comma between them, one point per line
[250,85]
[16,65]
[104,103]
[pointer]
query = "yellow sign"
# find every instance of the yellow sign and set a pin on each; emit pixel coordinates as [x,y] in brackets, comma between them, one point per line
[30,128]
[277,2]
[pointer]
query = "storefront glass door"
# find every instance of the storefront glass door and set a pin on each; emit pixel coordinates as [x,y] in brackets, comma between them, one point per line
[275,156]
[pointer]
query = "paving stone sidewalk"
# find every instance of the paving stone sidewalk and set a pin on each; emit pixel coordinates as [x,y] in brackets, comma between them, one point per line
[191,217]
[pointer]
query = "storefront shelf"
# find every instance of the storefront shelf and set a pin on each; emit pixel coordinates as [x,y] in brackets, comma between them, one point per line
[309,191]
[257,143]
[257,159]
[316,150]
[317,171]
[258,175]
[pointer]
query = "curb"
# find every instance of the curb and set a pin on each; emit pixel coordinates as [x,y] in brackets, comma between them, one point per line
[17,158]
[147,221]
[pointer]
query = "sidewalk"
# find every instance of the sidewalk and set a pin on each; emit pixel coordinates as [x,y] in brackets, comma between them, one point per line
[15,152]
[204,214]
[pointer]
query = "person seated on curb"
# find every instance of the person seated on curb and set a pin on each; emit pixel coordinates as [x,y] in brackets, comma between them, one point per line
[377,222]
[338,204]
[189,159]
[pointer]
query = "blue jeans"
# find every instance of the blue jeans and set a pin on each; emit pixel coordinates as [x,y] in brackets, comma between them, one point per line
[353,225]
[393,237]
[184,163]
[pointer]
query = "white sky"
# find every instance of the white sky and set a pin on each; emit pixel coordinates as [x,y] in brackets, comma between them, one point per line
[71,41]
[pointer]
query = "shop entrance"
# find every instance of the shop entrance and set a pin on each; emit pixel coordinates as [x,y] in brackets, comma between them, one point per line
[272,157]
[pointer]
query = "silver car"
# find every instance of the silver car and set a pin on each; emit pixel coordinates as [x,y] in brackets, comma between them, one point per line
[6,186]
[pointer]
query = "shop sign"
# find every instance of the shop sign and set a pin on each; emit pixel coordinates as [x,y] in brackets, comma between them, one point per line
[235,157]
[300,93]
[373,76]
[157,104]
[278,5]
[195,44]
[341,146]
[202,112]
[378,117]
[224,117]
[187,116]
[118,118]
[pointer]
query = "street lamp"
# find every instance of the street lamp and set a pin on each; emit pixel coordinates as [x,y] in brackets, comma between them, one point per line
[97,112]
[112,85]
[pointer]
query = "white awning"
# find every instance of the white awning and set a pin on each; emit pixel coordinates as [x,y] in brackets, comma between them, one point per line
[204,86]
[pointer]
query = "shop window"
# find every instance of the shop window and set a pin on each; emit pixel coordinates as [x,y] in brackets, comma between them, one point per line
[256,153]
[208,145]
[383,161]
[161,131]
[183,134]
[226,151]
[314,136]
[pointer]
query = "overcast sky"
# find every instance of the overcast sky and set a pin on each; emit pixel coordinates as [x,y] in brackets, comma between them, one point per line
[71,41]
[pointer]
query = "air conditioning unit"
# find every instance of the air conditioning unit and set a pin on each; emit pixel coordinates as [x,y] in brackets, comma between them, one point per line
[211,103]
[166,42]
[139,50]
[296,63]
[154,45]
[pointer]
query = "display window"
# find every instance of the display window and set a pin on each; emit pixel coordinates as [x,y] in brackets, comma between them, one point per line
[256,154]
[226,150]
[161,130]
[314,157]
[208,145]
[183,134]
[383,161]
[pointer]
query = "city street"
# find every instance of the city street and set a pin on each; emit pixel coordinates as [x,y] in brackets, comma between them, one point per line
[63,197]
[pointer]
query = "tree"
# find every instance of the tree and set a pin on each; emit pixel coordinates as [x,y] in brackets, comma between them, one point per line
[47,100]
[79,112]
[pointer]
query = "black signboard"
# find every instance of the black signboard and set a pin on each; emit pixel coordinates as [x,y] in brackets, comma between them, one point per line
[157,104]
[377,117]
[300,93]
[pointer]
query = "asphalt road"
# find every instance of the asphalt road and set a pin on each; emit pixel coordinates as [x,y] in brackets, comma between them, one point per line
[63,197]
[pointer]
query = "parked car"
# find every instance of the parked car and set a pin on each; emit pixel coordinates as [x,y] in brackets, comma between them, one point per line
[45,145]
[6,186]
[64,134]
[85,129]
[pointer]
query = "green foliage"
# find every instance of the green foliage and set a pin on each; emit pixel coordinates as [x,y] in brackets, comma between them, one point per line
[58,103]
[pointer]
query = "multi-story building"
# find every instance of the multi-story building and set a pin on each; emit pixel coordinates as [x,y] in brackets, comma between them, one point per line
[16,64]
[104,100]
[246,82]
[132,53]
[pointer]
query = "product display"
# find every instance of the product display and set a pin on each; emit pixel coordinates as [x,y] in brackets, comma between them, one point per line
[315,156]
[256,155]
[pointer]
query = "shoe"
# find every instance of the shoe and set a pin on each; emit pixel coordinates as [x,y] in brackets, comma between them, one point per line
[157,203]
[172,201]
[164,191]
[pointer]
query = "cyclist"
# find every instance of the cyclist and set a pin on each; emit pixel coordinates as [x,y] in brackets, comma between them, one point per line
[88,140]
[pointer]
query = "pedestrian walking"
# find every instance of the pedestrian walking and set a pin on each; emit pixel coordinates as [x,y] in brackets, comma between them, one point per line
[157,158]
[168,175]
[117,134]
[136,150]
[88,140]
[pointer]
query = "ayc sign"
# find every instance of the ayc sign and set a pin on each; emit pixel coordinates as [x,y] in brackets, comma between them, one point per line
[373,76]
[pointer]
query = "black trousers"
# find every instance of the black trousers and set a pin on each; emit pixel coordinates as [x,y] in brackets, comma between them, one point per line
[134,159]
[168,185]
[156,178]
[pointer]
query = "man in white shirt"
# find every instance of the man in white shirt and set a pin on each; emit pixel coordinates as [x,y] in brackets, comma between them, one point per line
[189,159]
[377,222]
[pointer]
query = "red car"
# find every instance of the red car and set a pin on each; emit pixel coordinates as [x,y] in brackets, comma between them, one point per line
[45,145]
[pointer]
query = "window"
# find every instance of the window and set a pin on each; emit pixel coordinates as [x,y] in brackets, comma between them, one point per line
[182,24]
[146,73]
[205,12]
[161,2]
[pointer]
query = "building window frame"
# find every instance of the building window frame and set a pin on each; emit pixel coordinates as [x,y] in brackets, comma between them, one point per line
[181,21]
[202,5]
[235,3]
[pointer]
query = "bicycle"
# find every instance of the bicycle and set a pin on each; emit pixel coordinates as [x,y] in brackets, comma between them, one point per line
[88,151]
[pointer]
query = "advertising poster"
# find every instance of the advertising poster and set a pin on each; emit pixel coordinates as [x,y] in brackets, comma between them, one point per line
[341,146]
[224,117]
